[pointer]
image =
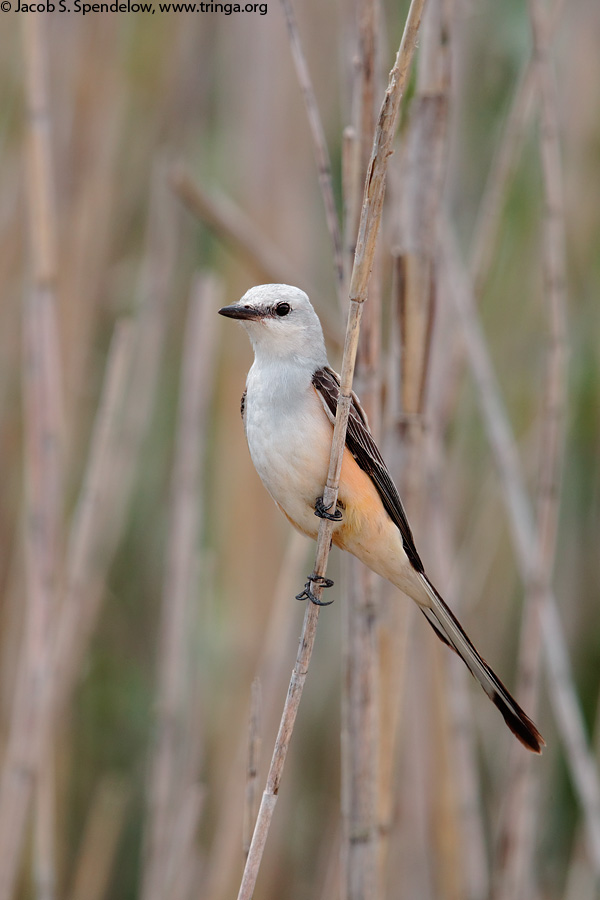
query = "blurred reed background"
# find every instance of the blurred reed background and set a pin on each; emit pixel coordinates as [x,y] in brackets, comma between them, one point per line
[152,169]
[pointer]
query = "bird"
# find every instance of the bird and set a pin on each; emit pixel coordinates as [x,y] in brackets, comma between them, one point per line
[288,410]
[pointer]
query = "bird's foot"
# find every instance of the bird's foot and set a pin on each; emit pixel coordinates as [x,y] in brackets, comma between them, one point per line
[322,511]
[307,593]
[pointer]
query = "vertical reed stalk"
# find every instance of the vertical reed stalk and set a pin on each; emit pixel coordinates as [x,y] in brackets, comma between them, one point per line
[44,828]
[251,798]
[42,402]
[272,669]
[563,696]
[517,840]
[100,838]
[485,232]
[94,533]
[360,695]
[320,146]
[365,251]
[121,422]
[423,182]
[462,782]
[168,786]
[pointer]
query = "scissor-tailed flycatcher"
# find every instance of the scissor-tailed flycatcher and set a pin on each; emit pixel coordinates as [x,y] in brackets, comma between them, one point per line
[288,409]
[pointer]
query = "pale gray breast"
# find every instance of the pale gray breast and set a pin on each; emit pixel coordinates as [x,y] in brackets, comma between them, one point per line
[288,437]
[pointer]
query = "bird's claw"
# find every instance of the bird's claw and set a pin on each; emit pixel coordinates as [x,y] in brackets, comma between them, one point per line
[307,593]
[322,511]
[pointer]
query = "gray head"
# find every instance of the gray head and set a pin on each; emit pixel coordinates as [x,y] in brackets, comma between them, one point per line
[281,324]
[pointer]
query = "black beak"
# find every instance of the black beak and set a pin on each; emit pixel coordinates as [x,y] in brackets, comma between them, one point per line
[241,312]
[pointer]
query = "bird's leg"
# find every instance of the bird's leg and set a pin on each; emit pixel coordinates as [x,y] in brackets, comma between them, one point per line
[322,511]
[307,593]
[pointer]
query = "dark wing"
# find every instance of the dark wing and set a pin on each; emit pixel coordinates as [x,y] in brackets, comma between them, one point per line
[243,410]
[363,448]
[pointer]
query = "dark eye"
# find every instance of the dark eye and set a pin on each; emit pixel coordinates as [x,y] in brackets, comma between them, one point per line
[282,309]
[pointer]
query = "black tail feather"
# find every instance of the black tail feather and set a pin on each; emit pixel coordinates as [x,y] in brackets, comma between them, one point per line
[450,631]
[519,723]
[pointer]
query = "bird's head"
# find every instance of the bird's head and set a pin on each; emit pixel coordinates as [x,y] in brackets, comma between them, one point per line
[281,324]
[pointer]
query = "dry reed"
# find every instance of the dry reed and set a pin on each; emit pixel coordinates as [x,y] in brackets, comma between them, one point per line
[222,214]
[251,797]
[100,840]
[173,770]
[320,147]
[365,250]
[563,694]
[361,703]
[516,877]
[271,670]
[42,402]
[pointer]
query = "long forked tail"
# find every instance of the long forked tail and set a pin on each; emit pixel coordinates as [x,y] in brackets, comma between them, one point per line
[450,631]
